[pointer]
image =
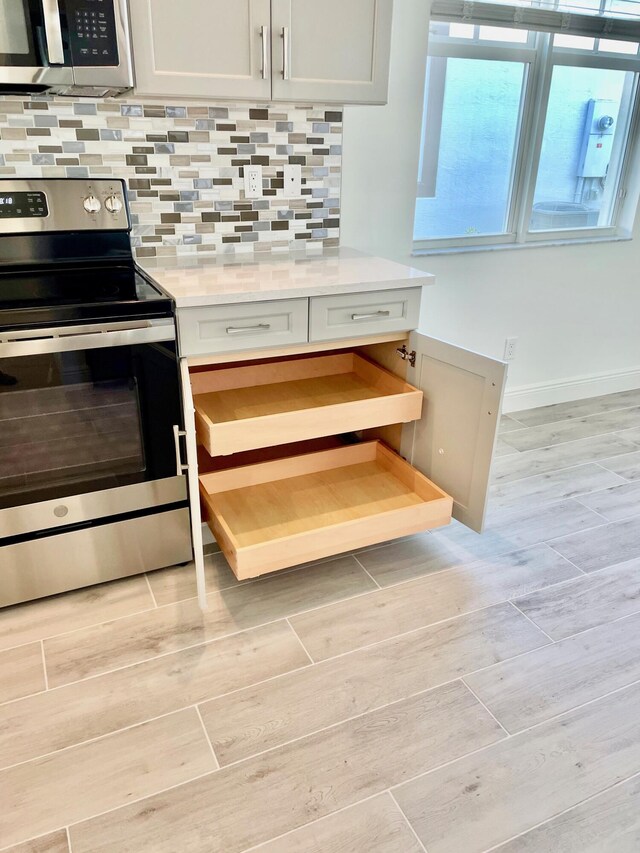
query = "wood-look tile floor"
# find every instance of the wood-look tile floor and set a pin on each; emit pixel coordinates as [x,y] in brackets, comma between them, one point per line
[448,692]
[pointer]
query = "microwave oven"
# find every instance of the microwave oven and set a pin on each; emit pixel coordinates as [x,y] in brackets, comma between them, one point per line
[65,47]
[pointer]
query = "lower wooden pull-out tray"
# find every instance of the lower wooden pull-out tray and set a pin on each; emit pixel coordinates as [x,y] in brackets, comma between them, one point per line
[272,515]
[258,405]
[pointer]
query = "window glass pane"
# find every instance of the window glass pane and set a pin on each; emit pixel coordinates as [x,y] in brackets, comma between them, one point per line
[612,46]
[624,8]
[503,34]
[468,147]
[575,42]
[582,148]
[462,31]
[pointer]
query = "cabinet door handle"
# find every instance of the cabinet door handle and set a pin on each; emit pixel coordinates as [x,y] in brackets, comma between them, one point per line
[242,330]
[264,35]
[371,316]
[180,466]
[285,53]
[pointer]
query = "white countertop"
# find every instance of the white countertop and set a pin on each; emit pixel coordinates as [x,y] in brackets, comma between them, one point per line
[194,281]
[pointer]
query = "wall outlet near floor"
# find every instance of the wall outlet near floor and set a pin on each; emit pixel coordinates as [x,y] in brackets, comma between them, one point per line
[253,181]
[510,348]
[292,180]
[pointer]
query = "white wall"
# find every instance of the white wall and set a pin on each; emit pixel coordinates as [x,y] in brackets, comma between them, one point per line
[574,309]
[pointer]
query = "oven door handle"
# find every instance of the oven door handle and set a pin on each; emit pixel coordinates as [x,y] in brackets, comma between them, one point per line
[177,435]
[53,31]
[14,344]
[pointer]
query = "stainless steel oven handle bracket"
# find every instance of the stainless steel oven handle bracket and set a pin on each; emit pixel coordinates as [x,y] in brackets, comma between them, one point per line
[177,435]
[53,31]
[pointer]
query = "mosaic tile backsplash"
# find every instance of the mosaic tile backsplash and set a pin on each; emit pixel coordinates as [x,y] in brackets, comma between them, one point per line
[183,164]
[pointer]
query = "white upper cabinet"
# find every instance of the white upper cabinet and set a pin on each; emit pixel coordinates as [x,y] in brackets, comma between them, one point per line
[333,51]
[336,51]
[452,444]
[202,48]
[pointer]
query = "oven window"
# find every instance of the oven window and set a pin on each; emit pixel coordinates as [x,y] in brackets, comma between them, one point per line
[77,422]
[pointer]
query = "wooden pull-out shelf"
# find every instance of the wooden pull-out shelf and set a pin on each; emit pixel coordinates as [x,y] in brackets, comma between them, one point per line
[259,405]
[277,514]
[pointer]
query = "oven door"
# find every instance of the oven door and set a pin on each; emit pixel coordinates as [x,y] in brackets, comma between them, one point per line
[89,422]
[34,55]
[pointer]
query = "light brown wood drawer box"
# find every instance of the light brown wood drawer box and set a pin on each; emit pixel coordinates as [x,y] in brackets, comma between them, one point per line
[215,329]
[277,514]
[258,405]
[350,315]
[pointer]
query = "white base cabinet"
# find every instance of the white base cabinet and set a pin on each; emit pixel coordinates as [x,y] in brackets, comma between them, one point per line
[299,453]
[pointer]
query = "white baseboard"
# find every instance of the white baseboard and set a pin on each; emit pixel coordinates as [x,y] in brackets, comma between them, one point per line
[573,388]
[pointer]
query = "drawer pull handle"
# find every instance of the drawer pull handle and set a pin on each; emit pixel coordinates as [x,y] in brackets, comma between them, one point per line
[371,316]
[243,330]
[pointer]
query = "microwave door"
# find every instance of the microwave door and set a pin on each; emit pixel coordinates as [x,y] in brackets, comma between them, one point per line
[33,56]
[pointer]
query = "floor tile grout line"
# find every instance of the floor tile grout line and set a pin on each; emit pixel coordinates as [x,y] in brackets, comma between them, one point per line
[486,708]
[34,838]
[44,666]
[271,621]
[153,598]
[341,654]
[408,822]
[512,737]
[302,645]
[512,415]
[560,467]
[367,572]
[524,501]
[159,607]
[390,788]
[601,626]
[555,550]
[553,817]
[535,625]
[379,588]
[573,421]
[134,802]
[207,738]
[66,829]
[75,630]
[262,844]
[104,736]
[304,668]
[90,678]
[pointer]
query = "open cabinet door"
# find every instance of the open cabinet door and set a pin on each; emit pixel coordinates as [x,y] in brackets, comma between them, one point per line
[452,444]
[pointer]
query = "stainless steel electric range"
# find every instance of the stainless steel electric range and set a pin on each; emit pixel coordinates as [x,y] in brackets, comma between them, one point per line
[90,407]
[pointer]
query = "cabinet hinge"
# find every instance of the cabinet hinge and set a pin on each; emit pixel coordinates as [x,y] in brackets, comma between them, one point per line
[405,355]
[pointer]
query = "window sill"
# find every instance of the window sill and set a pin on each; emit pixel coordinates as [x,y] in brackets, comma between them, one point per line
[503,247]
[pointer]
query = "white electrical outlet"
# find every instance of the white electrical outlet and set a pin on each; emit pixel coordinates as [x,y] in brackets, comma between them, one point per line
[510,348]
[253,181]
[292,180]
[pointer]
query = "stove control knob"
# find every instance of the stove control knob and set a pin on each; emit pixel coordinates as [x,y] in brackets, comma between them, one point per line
[113,204]
[92,204]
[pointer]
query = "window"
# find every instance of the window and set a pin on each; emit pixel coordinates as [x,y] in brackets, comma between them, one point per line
[527,132]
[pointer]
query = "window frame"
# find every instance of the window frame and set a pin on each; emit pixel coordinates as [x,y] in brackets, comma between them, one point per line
[540,58]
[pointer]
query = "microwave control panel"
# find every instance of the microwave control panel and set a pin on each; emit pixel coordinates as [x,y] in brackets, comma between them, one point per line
[93,38]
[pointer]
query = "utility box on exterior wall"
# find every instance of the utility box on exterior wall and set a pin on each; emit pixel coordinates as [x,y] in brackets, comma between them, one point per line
[597,138]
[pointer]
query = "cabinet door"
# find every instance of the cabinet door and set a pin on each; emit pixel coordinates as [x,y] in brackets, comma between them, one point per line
[202,48]
[336,51]
[453,442]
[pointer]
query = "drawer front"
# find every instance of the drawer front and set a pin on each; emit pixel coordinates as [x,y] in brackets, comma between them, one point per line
[234,328]
[357,314]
